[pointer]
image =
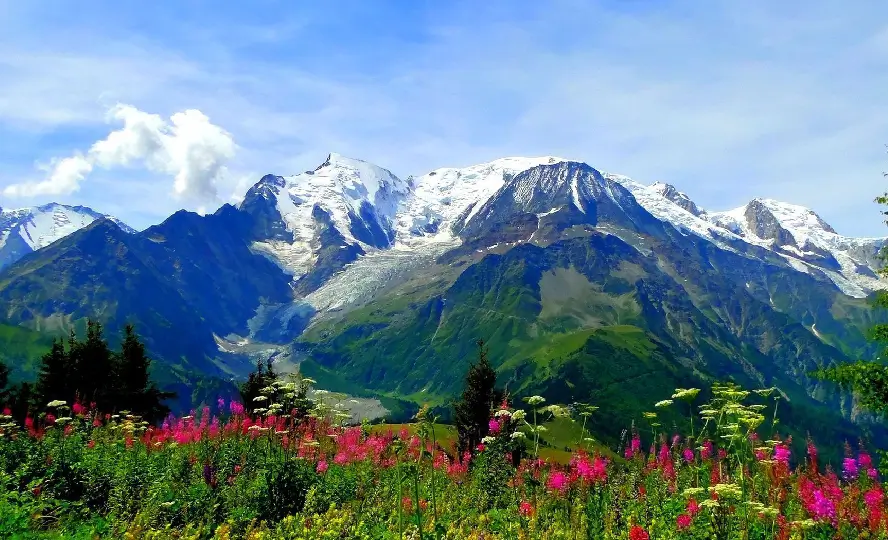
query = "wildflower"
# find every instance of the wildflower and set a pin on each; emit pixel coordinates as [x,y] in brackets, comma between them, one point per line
[637,533]
[480,447]
[663,403]
[493,426]
[518,415]
[91,444]
[407,504]
[502,412]
[525,509]
[558,481]
[488,440]
[322,467]
[781,454]
[693,507]
[56,403]
[688,455]
[685,393]
[849,468]
[683,522]
[518,435]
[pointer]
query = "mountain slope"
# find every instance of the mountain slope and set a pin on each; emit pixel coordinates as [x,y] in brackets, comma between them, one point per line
[181,283]
[28,229]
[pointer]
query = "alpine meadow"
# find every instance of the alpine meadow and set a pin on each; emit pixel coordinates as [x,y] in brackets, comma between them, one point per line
[198,341]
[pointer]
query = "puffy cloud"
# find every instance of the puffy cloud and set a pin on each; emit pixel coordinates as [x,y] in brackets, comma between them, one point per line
[188,147]
[64,177]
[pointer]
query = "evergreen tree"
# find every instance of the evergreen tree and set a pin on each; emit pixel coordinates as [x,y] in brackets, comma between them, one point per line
[94,367]
[134,390]
[867,379]
[256,381]
[4,380]
[472,412]
[55,379]
[90,372]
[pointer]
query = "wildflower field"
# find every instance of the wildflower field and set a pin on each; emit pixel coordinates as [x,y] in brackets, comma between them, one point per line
[74,472]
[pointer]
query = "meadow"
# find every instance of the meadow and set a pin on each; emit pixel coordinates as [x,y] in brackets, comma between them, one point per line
[222,473]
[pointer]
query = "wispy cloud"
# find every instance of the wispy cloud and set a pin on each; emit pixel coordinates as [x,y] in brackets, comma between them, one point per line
[726,100]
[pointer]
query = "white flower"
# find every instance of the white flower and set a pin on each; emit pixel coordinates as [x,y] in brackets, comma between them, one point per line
[488,440]
[518,415]
[685,393]
[536,400]
[518,435]
[260,398]
[664,403]
[502,412]
[56,403]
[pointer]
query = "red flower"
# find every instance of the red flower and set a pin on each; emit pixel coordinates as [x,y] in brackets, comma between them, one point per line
[423,504]
[322,466]
[480,448]
[525,509]
[407,504]
[683,522]
[637,533]
[91,444]
[693,507]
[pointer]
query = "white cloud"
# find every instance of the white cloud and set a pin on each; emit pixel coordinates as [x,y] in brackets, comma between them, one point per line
[188,147]
[65,176]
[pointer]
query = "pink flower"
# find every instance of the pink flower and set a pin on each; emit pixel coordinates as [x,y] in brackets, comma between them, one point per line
[849,468]
[480,447]
[693,507]
[781,454]
[706,452]
[322,467]
[7,411]
[688,455]
[525,509]
[683,522]
[558,481]
[493,426]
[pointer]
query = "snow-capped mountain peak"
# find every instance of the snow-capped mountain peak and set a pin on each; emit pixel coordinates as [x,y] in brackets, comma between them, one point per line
[441,196]
[669,192]
[25,230]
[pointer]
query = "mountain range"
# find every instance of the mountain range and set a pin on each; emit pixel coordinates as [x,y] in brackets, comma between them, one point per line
[587,286]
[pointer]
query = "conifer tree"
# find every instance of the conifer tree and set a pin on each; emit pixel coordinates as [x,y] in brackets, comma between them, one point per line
[4,381]
[134,390]
[480,396]
[55,379]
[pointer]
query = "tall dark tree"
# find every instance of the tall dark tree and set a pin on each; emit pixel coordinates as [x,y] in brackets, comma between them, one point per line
[4,381]
[55,379]
[262,377]
[94,367]
[134,390]
[89,372]
[472,412]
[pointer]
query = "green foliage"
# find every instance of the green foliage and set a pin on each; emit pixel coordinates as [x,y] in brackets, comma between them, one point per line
[88,372]
[472,412]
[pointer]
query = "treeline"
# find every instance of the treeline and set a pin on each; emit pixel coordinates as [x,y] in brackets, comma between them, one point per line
[88,372]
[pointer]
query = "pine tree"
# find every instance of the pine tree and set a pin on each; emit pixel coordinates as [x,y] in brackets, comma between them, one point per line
[256,381]
[95,369]
[4,380]
[134,390]
[472,412]
[55,379]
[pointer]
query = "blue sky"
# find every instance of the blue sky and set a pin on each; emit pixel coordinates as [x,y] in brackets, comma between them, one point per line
[726,100]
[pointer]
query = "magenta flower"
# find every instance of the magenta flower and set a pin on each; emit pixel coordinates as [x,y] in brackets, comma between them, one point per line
[849,468]
[558,481]
[493,426]
[322,466]
[781,454]
[683,522]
